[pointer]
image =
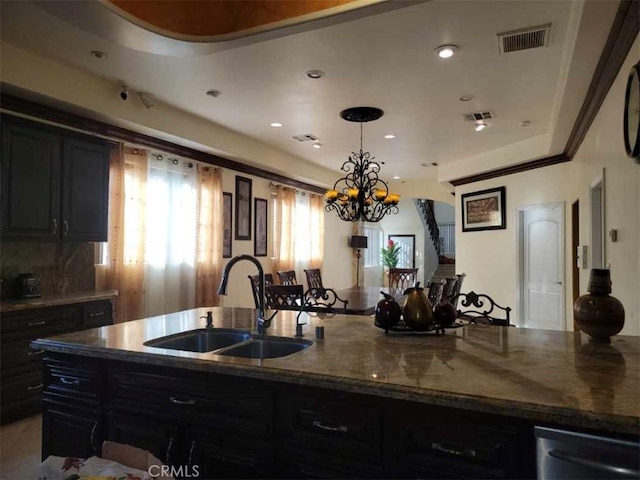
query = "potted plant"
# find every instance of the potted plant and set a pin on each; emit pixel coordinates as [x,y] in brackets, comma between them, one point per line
[390,256]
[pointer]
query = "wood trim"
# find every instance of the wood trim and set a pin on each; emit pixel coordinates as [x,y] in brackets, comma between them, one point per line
[52,114]
[621,37]
[501,172]
[623,33]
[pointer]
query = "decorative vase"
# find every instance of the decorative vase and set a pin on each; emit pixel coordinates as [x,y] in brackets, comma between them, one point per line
[388,312]
[417,312]
[598,314]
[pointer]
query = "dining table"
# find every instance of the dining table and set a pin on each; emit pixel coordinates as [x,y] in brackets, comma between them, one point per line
[363,300]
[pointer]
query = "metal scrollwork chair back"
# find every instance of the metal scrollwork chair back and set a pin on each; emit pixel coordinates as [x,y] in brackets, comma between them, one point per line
[287,277]
[402,278]
[473,309]
[255,285]
[283,297]
[322,301]
[314,278]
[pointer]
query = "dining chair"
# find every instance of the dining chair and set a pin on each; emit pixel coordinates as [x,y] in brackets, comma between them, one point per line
[255,285]
[435,292]
[283,297]
[314,278]
[457,288]
[402,278]
[449,286]
[481,309]
[287,277]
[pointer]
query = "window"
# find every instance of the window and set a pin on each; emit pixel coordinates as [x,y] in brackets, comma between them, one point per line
[375,240]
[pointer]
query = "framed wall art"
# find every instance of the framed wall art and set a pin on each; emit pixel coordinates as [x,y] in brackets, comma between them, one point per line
[260,233]
[407,243]
[484,210]
[227,220]
[243,208]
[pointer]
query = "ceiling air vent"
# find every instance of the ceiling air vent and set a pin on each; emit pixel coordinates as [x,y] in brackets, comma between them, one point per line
[307,137]
[476,116]
[524,39]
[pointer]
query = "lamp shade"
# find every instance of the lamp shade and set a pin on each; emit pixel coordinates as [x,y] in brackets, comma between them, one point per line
[358,241]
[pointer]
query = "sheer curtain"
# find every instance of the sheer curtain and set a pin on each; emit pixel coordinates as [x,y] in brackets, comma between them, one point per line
[209,236]
[299,234]
[171,236]
[284,239]
[127,231]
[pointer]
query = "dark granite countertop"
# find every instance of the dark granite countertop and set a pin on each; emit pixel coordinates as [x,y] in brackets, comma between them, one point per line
[542,375]
[50,300]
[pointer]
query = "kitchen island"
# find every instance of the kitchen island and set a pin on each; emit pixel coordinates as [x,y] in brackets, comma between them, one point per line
[356,403]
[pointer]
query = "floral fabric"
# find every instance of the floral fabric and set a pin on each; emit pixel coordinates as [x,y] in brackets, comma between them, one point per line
[93,468]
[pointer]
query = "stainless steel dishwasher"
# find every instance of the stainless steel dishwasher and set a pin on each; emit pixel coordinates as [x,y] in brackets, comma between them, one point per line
[562,454]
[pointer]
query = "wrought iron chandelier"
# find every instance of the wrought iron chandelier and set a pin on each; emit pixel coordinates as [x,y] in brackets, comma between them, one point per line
[361,194]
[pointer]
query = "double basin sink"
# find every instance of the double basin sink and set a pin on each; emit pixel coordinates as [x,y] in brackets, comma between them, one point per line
[230,342]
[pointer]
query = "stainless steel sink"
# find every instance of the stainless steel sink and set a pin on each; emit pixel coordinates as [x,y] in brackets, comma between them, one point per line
[201,340]
[267,347]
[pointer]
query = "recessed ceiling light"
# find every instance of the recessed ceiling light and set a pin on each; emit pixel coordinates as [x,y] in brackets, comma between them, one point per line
[480,126]
[390,136]
[525,123]
[446,51]
[214,93]
[276,124]
[315,74]
[99,54]
[396,177]
[466,98]
[317,145]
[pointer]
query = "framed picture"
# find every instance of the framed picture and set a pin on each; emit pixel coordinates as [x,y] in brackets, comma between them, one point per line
[243,208]
[260,228]
[407,243]
[484,210]
[227,239]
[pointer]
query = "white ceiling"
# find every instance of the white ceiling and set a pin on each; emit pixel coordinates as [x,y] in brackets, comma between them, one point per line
[384,60]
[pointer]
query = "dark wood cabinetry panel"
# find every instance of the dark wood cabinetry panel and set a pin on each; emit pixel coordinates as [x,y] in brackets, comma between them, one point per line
[21,372]
[31,173]
[70,432]
[86,191]
[236,427]
[54,184]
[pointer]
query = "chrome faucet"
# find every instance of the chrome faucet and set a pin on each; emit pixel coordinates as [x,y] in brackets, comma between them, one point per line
[262,323]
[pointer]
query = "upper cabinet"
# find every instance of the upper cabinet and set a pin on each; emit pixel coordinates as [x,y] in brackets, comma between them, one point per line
[55,185]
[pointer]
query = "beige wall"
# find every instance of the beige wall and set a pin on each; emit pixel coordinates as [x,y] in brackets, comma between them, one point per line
[489,258]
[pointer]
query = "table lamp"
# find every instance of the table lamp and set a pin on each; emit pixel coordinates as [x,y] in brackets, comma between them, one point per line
[358,242]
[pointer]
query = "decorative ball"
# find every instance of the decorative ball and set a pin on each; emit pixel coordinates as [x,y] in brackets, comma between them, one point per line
[444,314]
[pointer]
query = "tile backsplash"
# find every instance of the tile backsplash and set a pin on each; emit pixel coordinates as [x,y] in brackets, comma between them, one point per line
[61,267]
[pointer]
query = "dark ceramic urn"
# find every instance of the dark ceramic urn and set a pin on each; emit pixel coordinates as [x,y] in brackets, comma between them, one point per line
[598,314]
[388,312]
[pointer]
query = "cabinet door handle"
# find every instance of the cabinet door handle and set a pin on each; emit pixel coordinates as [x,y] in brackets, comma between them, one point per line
[66,228]
[330,428]
[462,452]
[35,387]
[191,450]
[32,353]
[55,226]
[67,381]
[92,437]
[178,401]
[96,314]
[167,457]
[37,324]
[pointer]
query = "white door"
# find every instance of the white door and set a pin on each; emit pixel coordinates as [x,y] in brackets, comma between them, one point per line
[543,266]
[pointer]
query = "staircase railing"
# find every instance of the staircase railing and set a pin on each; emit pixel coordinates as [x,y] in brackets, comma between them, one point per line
[427,214]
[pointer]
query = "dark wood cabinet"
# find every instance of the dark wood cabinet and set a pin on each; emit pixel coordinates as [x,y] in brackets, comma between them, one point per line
[54,184]
[21,377]
[236,427]
[68,432]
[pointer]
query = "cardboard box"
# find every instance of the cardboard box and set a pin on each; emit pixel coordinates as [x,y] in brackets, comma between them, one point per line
[134,457]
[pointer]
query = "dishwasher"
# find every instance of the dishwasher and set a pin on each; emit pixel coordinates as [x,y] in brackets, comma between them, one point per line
[563,454]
